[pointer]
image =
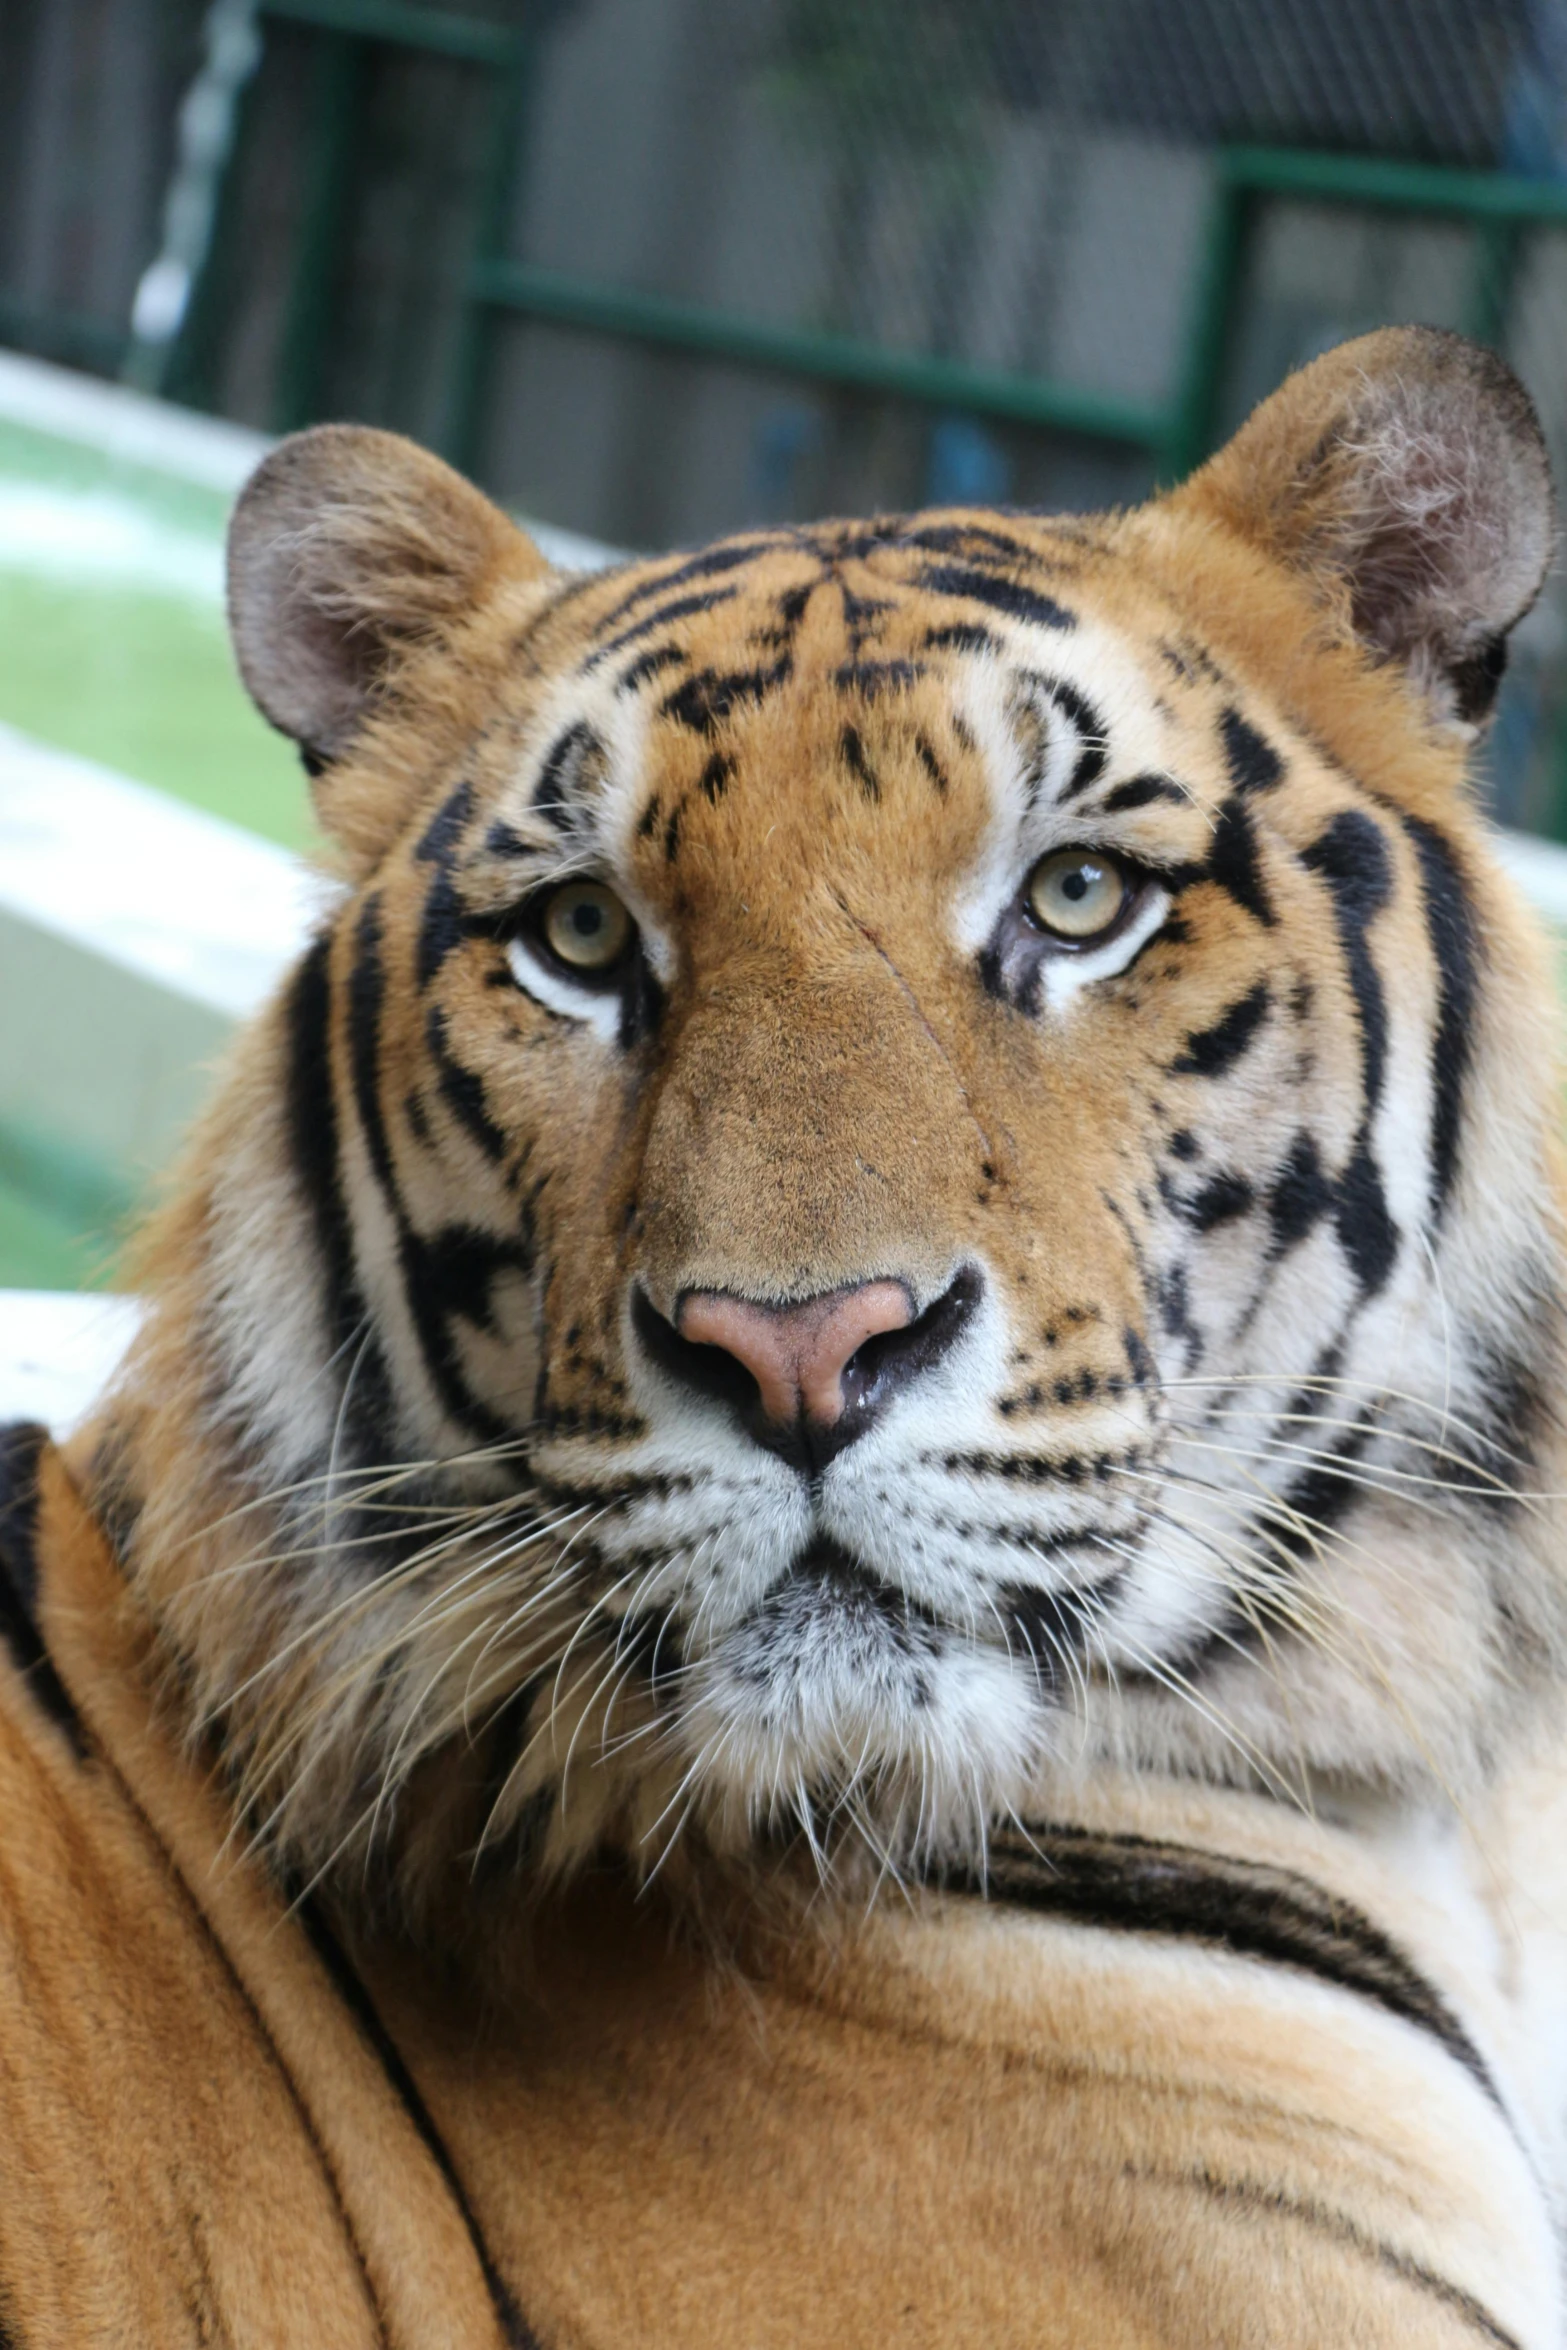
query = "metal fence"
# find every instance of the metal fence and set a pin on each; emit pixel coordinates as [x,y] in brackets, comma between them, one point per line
[653,268]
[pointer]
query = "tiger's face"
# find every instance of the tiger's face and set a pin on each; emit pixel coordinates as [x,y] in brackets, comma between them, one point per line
[932,1134]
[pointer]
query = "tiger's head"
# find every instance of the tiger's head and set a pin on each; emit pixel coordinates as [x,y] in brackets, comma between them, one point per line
[917,1152]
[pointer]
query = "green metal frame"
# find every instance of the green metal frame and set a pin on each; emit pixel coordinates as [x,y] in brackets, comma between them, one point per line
[1175,437]
[349,30]
[1498,208]
[841,361]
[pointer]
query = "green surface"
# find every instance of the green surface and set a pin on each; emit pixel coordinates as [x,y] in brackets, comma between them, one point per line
[118,650]
[42,1250]
[113,646]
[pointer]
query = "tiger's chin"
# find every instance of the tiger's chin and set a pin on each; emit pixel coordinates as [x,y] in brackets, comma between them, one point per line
[842,1712]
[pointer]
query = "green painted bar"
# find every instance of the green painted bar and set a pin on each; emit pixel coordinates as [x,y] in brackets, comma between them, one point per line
[1496,262]
[558,299]
[1231,217]
[468,39]
[336,117]
[466,374]
[1405,187]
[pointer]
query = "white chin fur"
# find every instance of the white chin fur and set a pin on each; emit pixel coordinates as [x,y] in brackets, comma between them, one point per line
[830,1709]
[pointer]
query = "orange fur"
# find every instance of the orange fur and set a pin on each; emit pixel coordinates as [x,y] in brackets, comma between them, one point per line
[437,1601]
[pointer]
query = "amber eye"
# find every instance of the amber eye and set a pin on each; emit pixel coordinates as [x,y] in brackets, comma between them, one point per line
[1077,893]
[585,926]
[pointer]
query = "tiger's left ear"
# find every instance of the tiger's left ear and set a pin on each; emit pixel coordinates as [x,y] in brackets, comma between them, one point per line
[1406,474]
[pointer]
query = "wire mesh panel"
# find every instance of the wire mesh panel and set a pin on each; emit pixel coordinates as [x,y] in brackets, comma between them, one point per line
[658,268]
[88,95]
[1019,186]
[910,176]
[341,255]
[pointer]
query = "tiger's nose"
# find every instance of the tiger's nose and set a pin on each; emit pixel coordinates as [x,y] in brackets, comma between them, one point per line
[796,1354]
[807,1378]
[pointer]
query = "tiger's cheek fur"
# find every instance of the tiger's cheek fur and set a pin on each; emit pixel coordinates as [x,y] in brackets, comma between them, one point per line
[1226,1243]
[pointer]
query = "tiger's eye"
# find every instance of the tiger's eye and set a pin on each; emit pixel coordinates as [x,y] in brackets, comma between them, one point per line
[586,926]
[1076,893]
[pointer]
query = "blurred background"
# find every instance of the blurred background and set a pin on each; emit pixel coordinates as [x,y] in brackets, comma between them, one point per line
[648,269]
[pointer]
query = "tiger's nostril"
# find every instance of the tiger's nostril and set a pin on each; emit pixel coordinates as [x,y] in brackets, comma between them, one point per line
[807,1377]
[797,1354]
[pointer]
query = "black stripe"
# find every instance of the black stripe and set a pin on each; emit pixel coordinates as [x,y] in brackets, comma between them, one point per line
[224,1960]
[1351,856]
[931,764]
[1094,746]
[1338,2226]
[1209,1052]
[678,608]
[461,1089]
[1222,1199]
[1055,1627]
[716,776]
[709,696]
[442,834]
[450,1272]
[1322,1494]
[652,663]
[558,774]
[1253,763]
[858,764]
[443,925]
[978,541]
[963,636]
[1233,862]
[356,1998]
[1300,1194]
[873,678]
[312,1127]
[22,1446]
[707,563]
[1137,1885]
[1139,790]
[1000,593]
[1455,946]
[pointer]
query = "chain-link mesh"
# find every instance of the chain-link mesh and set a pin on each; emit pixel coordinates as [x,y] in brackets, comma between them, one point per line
[1022,187]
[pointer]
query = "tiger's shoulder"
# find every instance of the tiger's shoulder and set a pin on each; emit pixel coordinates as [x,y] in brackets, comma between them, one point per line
[1163,2020]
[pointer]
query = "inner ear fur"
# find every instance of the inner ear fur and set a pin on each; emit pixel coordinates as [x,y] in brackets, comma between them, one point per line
[1406,475]
[349,549]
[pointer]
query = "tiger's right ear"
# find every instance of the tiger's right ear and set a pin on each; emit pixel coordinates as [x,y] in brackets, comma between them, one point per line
[347,550]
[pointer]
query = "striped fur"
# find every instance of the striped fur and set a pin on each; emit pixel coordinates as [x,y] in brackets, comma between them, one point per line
[1238,1471]
[1197,2071]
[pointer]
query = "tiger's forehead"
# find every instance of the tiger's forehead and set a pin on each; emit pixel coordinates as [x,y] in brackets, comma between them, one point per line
[998,684]
[876,605]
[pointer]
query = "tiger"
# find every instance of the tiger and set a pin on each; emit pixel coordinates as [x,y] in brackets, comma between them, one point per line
[827,1602]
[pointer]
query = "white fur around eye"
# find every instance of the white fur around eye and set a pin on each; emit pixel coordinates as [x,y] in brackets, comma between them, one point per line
[594,1007]
[1064,975]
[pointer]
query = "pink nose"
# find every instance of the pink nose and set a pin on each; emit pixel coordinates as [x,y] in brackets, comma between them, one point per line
[796,1354]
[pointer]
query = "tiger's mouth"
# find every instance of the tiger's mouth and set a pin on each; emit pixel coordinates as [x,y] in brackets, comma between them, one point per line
[830,1594]
[842,1695]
